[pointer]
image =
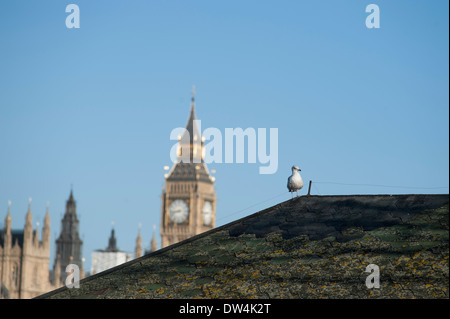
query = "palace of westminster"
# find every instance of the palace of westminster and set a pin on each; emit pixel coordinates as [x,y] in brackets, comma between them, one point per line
[188,208]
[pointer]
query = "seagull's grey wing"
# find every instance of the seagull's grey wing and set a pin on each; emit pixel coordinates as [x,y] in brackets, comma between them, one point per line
[289,183]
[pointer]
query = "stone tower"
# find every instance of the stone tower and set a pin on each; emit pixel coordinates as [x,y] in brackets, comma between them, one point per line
[68,244]
[188,199]
[24,258]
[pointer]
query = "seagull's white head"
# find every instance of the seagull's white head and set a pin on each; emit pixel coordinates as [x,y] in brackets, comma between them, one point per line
[295,168]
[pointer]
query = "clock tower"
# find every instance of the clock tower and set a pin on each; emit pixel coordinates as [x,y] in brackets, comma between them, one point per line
[188,198]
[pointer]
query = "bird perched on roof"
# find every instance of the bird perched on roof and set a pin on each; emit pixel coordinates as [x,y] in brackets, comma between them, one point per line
[295,181]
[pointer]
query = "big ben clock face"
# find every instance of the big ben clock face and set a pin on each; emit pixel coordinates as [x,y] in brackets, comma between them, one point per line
[178,211]
[207,213]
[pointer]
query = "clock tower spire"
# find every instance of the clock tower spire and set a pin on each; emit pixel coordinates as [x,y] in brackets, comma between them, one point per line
[188,200]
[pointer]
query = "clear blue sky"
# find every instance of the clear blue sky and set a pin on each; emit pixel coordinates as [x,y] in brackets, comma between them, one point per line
[94,106]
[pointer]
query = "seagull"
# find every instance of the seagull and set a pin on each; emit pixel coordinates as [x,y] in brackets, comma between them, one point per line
[295,181]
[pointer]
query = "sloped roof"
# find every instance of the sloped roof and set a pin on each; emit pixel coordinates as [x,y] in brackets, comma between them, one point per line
[307,247]
[190,172]
[191,126]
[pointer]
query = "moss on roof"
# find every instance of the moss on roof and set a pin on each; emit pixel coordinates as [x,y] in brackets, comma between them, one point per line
[308,247]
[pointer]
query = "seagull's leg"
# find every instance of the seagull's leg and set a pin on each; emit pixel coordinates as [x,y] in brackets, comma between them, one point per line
[297,193]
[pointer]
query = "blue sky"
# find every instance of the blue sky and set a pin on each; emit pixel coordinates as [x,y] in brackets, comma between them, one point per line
[94,107]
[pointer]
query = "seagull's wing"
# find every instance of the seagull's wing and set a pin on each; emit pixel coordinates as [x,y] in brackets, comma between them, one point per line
[289,183]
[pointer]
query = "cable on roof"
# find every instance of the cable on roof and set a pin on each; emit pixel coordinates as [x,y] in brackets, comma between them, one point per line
[251,206]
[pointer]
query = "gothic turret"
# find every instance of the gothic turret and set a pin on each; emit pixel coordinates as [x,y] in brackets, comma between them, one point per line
[138,249]
[69,244]
[112,242]
[153,244]
[46,230]
[28,229]
[8,235]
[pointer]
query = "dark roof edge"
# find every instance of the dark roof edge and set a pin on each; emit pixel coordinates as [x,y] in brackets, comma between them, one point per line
[215,230]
